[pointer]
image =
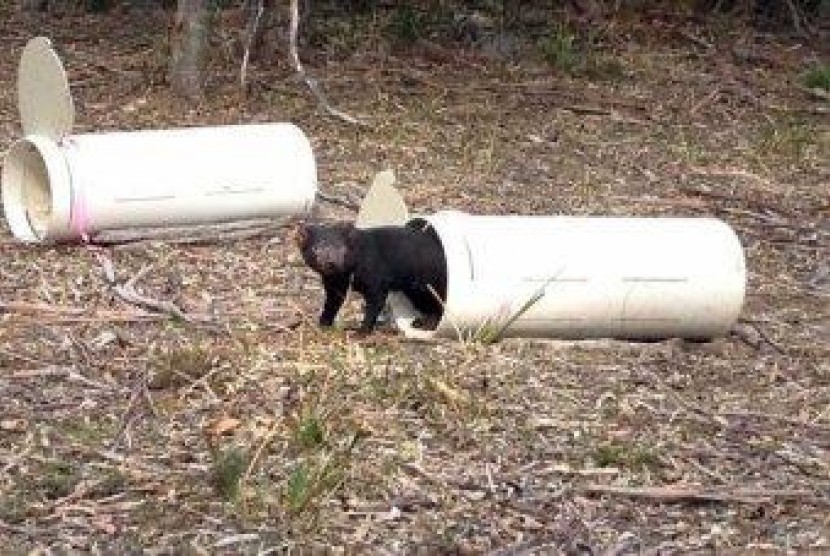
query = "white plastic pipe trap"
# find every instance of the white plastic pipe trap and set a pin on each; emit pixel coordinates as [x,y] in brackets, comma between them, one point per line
[58,186]
[89,183]
[585,277]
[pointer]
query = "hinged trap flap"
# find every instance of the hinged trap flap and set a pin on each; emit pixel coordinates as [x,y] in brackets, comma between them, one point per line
[43,96]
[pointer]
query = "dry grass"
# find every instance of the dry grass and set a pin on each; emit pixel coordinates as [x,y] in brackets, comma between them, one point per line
[121,431]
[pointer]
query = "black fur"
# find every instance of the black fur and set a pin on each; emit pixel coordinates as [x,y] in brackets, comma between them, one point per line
[375,262]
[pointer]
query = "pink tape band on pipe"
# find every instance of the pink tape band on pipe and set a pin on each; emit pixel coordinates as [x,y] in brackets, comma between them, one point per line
[79,212]
[79,216]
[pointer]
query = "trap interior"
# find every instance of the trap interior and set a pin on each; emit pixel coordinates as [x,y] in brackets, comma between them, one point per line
[35,186]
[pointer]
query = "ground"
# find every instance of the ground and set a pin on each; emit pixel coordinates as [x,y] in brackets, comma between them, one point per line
[124,428]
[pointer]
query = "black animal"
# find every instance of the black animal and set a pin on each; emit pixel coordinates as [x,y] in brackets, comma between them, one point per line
[374,262]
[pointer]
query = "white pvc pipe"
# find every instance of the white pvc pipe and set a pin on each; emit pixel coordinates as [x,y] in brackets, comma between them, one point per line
[89,183]
[634,278]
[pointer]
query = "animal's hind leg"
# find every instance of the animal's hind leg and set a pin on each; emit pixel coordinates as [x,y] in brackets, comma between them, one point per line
[375,301]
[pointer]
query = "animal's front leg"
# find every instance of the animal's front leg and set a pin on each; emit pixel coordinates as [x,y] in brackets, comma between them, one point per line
[336,289]
[375,301]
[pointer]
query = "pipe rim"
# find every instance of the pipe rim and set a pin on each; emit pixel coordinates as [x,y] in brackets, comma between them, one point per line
[18,178]
[459,267]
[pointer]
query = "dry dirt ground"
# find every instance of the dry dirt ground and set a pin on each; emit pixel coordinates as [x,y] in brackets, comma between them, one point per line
[124,429]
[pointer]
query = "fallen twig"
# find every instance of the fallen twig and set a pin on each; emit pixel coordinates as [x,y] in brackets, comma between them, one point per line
[595,111]
[57,372]
[240,538]
[252,31]
[203,235]
[309,81]
[762,335]
[690,494]
[705,100]
[796,18]
[46,372]
[768,186]
[773,417]
[138,391]
[28,530]
[126,292]
[100,317]
[23,307]
[351,205]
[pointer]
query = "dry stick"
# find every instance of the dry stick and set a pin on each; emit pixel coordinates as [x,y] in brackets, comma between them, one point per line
[22,307]
[58,372]
[339,201]
[100,318]
[799,28]
[203,235]
[29,531]
[309,81]
[46,372]
[126,292]
[67,314]
[252,30]
[675,494]
[237,235]
[745,337]
[705,100]
[768,186]
[127,417]
[807,466]
[763,335]
[21,357]
[581,110]
[139,275]
[772,221]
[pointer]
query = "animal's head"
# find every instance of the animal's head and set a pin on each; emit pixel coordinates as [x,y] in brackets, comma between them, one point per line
[327,248]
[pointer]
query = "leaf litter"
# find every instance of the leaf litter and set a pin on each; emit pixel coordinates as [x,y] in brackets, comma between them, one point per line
[123,427]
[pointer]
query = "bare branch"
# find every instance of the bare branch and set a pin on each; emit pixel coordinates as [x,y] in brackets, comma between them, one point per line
[252,31]
[126,292]
[310,81]
[339,201]
[668,494]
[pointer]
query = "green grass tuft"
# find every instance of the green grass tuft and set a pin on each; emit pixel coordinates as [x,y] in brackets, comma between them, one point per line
[226,472]
[817,77]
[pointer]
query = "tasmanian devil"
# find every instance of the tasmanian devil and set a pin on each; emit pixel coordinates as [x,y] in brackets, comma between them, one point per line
[374,262]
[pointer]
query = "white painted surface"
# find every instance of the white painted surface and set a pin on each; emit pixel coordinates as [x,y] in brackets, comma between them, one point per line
[599,277]
[57,186]
[383,204]
[43,96]
[160,178]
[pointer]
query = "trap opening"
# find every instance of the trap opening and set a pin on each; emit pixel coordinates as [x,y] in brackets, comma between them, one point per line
[28,190]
